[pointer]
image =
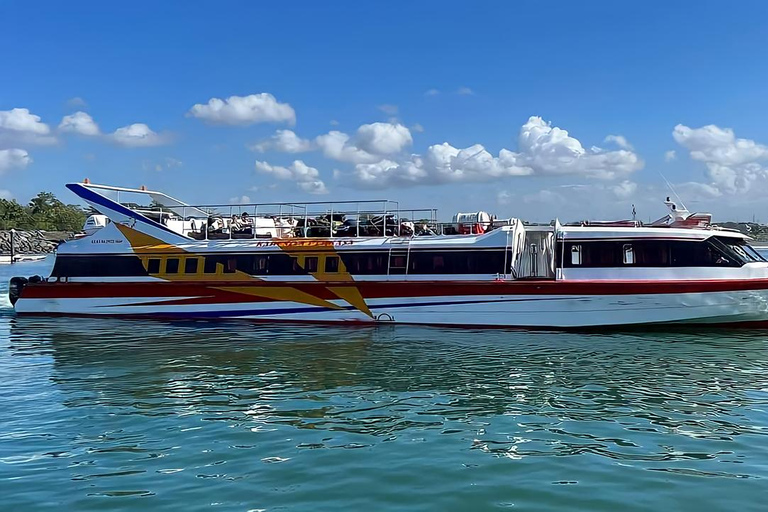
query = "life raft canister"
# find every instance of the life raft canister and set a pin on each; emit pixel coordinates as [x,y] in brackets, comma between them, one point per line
[15,287]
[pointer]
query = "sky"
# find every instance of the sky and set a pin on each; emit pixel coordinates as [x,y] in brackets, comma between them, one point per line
[530,109]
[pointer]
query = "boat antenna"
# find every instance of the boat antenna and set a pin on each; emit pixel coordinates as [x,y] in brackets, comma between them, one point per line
[634,213]
[673,190]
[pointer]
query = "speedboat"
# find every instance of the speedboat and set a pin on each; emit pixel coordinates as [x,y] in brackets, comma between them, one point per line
[375,262]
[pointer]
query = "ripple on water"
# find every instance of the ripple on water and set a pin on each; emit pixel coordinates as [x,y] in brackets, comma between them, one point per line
[164,415]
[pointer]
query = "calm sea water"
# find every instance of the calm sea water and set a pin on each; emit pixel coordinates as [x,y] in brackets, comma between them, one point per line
[128,415]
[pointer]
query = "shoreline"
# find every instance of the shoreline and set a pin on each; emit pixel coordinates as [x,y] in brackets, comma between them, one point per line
[30,243]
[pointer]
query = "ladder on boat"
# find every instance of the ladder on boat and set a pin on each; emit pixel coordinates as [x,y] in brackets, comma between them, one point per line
[399,256]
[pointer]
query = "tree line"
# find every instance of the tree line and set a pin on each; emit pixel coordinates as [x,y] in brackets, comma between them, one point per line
[43,212]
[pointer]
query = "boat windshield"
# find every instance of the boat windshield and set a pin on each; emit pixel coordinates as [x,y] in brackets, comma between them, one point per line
[740,248]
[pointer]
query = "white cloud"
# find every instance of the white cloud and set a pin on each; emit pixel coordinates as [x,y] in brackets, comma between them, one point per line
[670,155]
[80,123]
[390,110]
[244,110]
[138,135]
[13,159]
[542,150]
[166,163]
[306,178]
[624,190]
[77,103]
[20,126]
[432,92]
[6,194]
[417,128]
[694,191]
[285,141]
[733,165]
[240,200]
[465,91]
[334,122]
[383,138]
[619,140]
[337,146]
[504,197]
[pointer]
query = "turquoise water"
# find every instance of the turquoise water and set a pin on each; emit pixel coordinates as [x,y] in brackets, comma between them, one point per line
[127,415]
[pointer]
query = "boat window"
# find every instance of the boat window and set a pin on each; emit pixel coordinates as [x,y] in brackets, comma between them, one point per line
[153,266]
[262,264]
[190,266]
[172,266]
[331,263]
[629,254]
[652,253]
[209,267]
[98,266]
[576,255]
[231,266]
[310,263]
[739,247]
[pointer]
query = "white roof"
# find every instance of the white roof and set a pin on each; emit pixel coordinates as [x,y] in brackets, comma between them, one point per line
[585,232]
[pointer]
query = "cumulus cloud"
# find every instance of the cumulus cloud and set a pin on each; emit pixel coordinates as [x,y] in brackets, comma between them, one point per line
[619,140]
[244,110]
[383,138]
[285,141]
[6,194]
[80,123]
[20,126]
[670,155]
[734,165]
[542,150]
[306,178]
[13,159]
[371,143]
[338,146]
[465,91]
[432,92]
[138,135]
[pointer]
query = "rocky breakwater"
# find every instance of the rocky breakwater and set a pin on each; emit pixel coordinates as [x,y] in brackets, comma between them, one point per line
[32,242]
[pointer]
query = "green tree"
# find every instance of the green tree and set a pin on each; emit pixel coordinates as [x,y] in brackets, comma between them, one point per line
[12,214]
[44,211]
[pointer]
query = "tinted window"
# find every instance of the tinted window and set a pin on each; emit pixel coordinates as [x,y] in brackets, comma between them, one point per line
[647,253]
[153,266]
[331,264]
[310,263]
[190,266]
[172,266]
[426,262]
[98,266]
[210,265]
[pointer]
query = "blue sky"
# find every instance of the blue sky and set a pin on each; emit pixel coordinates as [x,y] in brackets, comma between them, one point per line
[423,102]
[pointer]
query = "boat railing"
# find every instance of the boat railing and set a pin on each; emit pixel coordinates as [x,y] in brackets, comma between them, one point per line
[327,219]
[373,218]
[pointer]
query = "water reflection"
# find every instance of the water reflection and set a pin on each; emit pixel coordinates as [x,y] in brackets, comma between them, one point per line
[379,381]
[118,409]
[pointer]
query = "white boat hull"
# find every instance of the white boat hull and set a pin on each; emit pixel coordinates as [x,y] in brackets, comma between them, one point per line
[531,311]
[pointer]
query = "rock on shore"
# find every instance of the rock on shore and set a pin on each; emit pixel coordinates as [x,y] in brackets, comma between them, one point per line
[32,242]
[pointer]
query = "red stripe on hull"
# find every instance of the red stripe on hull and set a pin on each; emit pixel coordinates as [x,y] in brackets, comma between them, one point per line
[208,292]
